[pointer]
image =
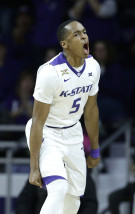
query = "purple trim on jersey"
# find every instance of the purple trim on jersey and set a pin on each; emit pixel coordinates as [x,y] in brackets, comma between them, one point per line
[60,59]
[89,56]
[47,180]
[82,196]
[77,73]
[66,127]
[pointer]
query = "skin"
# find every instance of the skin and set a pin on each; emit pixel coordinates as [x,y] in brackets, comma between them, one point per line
[91,119]
[73,44]
[40,113]
[78,9]
[74,52]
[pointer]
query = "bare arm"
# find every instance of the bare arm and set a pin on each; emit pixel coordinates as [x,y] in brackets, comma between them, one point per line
[95,5]
[25,107]
[91,119]
[40,113]
[77,10]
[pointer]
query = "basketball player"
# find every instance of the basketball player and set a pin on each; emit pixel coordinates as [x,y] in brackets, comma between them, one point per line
[66,86]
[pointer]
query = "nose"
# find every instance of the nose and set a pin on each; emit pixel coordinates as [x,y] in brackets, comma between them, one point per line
[83,35]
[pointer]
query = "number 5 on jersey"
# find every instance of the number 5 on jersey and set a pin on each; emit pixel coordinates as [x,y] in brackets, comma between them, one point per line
[75,105]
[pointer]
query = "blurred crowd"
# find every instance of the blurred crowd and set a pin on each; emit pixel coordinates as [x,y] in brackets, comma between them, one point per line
[28,39]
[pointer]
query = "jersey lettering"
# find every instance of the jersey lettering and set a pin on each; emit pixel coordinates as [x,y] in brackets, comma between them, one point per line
[75,105]
[77,90]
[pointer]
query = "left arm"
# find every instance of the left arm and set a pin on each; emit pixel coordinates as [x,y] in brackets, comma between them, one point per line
[91,119]
[95,5]
[77,9]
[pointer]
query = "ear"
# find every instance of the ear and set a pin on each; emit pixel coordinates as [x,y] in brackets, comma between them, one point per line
[64,44]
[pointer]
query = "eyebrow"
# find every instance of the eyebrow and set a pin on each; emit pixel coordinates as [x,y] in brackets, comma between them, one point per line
[78,31]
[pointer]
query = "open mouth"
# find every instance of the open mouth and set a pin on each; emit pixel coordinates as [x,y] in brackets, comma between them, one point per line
[86,48]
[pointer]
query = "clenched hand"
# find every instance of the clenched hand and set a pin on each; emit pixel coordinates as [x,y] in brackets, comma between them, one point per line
[35,177]
[92,162]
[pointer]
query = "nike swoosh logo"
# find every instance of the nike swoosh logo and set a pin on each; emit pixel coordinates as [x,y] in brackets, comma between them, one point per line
[66,80]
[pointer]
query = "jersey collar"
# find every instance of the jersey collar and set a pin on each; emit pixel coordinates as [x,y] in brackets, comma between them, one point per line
[63,58]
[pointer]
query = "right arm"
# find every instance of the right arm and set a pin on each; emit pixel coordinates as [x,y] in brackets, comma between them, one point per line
[95,5]
[40,114]
[77,10]
[47,83]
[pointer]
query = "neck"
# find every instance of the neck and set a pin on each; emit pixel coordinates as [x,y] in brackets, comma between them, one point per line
[74,61]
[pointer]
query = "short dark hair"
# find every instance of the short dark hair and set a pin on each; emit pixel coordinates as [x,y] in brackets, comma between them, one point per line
[61,32]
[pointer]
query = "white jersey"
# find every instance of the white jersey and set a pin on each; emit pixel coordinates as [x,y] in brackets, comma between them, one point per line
[67,90]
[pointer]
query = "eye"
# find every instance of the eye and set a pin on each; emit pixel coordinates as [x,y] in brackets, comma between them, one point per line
[85,32]
[76,34]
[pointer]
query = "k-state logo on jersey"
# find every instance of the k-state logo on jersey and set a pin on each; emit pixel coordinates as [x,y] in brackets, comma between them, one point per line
[77,90]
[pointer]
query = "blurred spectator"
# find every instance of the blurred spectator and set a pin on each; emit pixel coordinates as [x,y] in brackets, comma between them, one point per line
[49,54]
[8,71]
[125,194]
[6,14]
[20,45]
[102,9]
[24,19]
[111,95]
[48,16]
[20,104]
[126,17]
[7,11]
[99,18]
[30,199]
